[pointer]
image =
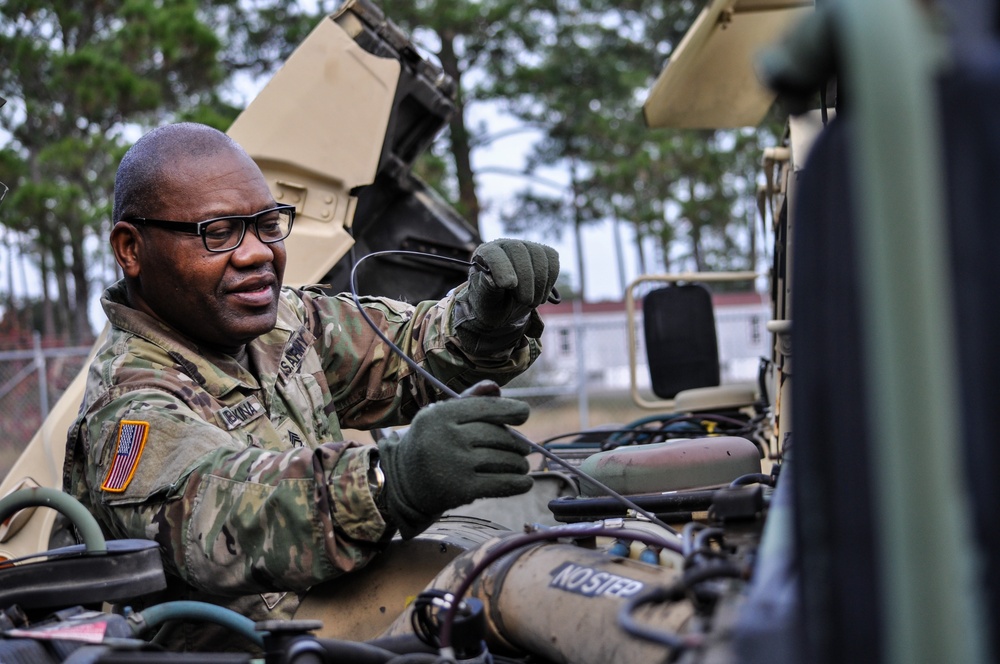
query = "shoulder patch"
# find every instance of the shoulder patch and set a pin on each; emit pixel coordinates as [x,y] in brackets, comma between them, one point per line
[131,441]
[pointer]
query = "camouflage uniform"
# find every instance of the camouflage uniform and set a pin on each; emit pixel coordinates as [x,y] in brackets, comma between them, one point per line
[243,477]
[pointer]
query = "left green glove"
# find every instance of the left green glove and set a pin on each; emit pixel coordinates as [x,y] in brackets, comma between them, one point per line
[511,278]
[454,452]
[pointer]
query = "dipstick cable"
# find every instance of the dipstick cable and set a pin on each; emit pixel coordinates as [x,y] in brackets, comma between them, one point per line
[447,391]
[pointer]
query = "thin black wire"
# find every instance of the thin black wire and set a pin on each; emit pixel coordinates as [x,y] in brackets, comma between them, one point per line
[424,619]
[447,391]
[444,389]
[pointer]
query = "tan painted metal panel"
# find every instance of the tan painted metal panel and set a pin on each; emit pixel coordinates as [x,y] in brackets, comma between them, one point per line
[709,82]
[316,130]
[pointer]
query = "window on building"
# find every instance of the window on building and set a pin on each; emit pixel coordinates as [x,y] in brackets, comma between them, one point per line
[565,345]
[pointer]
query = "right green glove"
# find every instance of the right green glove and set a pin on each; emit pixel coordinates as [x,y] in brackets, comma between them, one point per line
[453,453]
[508,280]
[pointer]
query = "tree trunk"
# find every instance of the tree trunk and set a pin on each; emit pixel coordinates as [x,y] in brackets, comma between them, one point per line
[640,253]
[696,248]
[666,264]
[63,313]
[619,253]
[80,330]
[461,150]
[695,229]
[578,231]
[48,315]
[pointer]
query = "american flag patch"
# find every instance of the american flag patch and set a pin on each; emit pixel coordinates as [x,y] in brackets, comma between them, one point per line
[131,440]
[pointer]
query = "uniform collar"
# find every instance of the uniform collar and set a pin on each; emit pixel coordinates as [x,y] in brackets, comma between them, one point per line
[215,372]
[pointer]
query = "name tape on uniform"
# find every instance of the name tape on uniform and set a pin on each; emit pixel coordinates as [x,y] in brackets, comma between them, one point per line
[236,416]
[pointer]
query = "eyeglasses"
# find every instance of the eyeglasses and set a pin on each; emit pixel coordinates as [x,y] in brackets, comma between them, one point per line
[224,234]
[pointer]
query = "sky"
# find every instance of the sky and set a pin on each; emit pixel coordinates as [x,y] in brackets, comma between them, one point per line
[495,190]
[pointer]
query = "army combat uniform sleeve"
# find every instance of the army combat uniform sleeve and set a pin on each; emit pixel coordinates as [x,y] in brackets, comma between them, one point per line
[230,518]
[238,479]
[371,385]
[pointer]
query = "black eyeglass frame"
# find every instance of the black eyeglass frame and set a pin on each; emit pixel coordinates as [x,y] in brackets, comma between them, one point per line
[198,227]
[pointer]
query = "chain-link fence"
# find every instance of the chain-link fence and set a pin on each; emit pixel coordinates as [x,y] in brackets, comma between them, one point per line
[30,381]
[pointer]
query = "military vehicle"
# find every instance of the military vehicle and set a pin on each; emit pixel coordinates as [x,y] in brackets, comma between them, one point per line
[726,527]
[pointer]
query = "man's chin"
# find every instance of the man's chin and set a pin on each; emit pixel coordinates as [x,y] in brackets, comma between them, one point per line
[253,328]
[245,329]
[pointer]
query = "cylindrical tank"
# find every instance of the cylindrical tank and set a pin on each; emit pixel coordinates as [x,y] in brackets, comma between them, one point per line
[561,601]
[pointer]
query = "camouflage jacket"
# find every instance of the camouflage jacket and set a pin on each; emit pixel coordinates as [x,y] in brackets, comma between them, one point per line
[243,476]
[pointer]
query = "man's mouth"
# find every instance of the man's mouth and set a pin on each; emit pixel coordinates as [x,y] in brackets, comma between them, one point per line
[254,292]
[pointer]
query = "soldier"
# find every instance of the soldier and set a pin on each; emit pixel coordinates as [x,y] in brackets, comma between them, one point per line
[212,416]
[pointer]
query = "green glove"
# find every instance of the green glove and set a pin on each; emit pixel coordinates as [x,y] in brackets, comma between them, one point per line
[454,452]
[510,279]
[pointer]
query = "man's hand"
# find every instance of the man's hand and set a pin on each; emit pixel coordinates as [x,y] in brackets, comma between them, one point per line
[509,279]
[454,452]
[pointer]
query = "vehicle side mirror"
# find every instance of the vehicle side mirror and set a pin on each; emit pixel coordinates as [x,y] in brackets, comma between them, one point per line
[681,345]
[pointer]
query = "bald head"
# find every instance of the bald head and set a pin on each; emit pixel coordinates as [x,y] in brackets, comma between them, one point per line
[171,181]
[142,169]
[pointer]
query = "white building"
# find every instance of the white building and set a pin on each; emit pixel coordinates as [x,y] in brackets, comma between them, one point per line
[599,331]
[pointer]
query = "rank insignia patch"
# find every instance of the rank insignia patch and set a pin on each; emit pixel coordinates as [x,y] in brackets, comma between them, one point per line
[131,440]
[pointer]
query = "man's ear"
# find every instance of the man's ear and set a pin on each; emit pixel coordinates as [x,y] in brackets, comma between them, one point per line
[126,242]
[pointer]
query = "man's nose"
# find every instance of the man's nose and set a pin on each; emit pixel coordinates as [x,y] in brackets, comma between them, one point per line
[252,251]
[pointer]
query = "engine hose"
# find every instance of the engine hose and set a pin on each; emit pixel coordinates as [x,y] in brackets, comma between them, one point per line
[674,593]
[506,582]
[595,508]
[186,610]
[64,503]
[753,478]
[357,653]
[675,642]
[687,537]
